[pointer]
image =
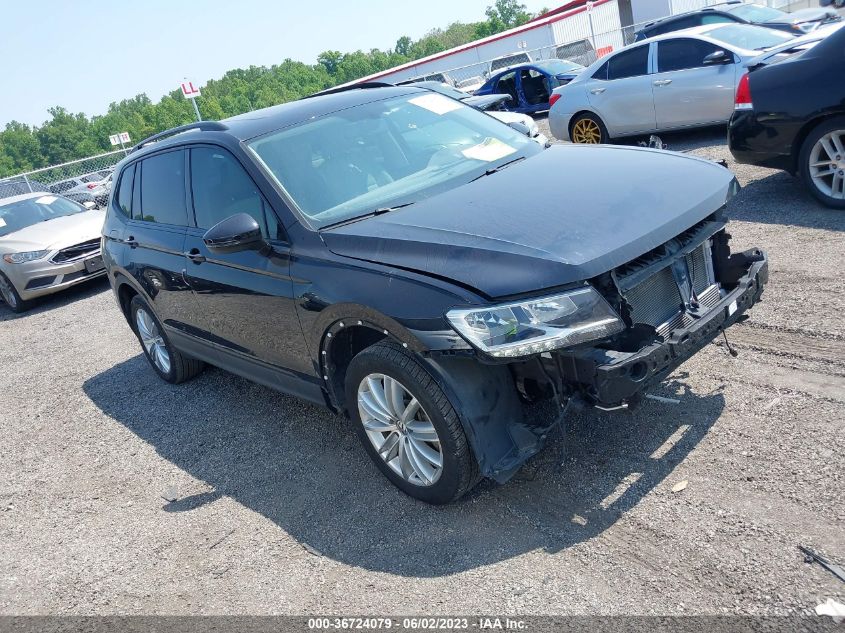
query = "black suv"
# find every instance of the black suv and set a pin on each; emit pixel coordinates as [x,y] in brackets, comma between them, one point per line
[448,283]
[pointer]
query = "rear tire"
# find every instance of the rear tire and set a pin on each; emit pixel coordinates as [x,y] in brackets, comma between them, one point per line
[588,129]
[169,363]
[385,379]
[11,297]
[822,162]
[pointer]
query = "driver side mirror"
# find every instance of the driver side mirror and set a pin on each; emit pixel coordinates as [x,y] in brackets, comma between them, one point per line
[239,232]
[718,57]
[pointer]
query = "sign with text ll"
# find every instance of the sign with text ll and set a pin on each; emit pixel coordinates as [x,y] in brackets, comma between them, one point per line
[189,91]
[114,139]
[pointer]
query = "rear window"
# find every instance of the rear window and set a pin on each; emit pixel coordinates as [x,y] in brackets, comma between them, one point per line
[163,189]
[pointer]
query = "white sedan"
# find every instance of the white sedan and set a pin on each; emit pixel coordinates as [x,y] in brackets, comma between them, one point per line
[678,80]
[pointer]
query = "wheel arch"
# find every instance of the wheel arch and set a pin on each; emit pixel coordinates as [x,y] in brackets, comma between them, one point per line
[581,112]
[125,290]
[805,132]
[345,330]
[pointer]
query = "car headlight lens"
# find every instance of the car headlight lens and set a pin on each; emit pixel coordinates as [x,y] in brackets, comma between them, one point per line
[20,258]
[537,325]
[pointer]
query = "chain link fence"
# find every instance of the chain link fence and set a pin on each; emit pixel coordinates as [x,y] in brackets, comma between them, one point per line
[87,180]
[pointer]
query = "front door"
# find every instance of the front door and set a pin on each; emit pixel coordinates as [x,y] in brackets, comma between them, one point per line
[244,299]
[686,91]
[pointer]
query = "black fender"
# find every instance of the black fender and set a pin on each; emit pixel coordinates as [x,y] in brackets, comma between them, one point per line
[502,431]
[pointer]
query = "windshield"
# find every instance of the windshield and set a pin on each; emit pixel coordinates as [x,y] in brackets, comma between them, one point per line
[559,67]
[752,38]
[15,216]
[382,154]
[756,13]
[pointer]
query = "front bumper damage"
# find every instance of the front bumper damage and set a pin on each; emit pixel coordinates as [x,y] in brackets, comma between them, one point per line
[611,379]
[506,425]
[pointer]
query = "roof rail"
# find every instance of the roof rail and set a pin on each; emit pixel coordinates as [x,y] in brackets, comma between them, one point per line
[361,86]
[206,126]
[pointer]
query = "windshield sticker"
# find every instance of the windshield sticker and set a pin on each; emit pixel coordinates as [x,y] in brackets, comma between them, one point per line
[436,103]
[46,200]
[489,150]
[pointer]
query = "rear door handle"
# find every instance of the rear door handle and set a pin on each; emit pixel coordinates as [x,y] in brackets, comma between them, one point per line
[662,82]
[598,91]
[195,256]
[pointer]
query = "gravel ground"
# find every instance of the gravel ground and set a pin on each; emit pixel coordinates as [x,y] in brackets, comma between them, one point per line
[278,509]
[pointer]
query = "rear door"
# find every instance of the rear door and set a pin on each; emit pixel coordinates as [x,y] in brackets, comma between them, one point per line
[620,92]
[686,91]
[155,236]
[244,300]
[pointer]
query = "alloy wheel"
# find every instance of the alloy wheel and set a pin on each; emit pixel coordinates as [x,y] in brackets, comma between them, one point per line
[7,293]
[586,131]
[152,340]
[400,429]
[827,164]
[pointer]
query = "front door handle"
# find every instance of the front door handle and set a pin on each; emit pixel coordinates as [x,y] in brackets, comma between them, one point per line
[130,242]
[195,256]
[598,91]
[662,82]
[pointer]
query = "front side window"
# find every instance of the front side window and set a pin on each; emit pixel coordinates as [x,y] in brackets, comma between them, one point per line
[682,53]
[163,189]
[385,153]
[630,63]
[221,188]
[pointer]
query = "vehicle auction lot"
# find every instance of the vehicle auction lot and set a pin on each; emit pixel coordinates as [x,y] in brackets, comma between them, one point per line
[278,509]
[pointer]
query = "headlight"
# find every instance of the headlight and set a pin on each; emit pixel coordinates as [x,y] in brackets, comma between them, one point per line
[20,258]
[538,325]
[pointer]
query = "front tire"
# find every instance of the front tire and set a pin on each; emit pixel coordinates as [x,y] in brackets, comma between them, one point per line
[169,363]
[822,163]
[588,129]
[11,297]
[408,425]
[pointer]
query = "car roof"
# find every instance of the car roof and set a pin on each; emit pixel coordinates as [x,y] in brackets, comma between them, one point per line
[255,123]
[699,32]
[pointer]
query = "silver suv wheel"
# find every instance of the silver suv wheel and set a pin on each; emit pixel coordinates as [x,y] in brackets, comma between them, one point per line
[400,429]
[152,340]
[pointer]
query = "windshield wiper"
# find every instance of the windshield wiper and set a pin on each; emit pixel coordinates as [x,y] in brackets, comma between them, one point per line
[499,168]
[363,216]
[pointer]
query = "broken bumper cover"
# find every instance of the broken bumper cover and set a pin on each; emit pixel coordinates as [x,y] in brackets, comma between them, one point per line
[611,378]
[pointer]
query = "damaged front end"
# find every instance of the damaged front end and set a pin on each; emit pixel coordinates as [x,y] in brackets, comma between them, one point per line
[672,300]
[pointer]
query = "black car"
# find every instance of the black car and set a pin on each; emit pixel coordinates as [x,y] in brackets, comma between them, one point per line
[797,22]
[406,260]
[790,115]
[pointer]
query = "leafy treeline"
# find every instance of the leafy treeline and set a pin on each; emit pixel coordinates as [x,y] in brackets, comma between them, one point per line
[67,136]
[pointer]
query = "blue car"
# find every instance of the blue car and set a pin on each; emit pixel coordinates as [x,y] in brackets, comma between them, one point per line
[530,85]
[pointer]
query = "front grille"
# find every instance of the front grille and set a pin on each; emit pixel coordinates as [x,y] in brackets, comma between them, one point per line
[77,251]
[656,300]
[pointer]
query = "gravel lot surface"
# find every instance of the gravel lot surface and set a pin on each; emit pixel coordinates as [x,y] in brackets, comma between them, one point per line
[278,509]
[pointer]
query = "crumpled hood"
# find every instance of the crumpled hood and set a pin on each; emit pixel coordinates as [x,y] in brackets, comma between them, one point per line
[55,234]
[564,215]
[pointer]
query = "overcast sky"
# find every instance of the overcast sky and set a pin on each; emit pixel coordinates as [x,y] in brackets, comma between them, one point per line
[84,54]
